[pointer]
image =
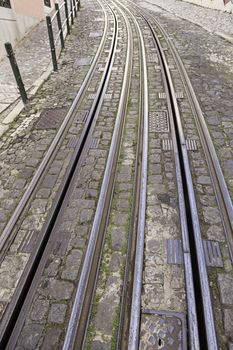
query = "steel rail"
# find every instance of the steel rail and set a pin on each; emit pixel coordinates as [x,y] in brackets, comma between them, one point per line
[220,187]
[203,274]
[138,266]
[39,258]
[4,239]
[221,191]
[32,270]
[89,272]
[123,328]
[194,341]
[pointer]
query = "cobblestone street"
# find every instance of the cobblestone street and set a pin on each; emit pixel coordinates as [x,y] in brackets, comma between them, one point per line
[116,217]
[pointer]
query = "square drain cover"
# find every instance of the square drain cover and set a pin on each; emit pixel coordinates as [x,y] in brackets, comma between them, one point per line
[50,118]
[158,121]
[163,330]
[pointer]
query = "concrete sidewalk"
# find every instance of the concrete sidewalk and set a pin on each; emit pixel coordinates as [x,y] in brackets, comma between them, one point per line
[33,57]
[214,21]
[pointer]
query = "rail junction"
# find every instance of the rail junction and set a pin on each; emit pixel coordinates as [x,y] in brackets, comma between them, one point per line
[123,235]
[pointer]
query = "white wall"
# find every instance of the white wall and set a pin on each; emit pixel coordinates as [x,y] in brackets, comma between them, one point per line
[214,4]
[13,27]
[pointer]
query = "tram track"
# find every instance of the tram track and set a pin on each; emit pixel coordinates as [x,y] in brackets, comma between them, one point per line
[200,310]
[200,318]
[12,320]
[79,320]
[8,235]
[133,331]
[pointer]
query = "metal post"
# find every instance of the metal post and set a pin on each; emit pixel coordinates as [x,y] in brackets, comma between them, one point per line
[16,72]
[51,42]
[59,25]
[67,17]
[75,10]
[71,9]
[79,5]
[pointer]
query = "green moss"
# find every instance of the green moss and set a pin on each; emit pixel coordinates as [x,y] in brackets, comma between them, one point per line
[115,328]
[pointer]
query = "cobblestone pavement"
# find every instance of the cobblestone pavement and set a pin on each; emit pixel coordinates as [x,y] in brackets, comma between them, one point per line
[28,136]
[212,20]
[57,284]
[33,57]
[208,60]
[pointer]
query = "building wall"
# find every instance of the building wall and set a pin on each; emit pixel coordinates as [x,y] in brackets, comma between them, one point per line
[17,21]
[30,8]
[222,5]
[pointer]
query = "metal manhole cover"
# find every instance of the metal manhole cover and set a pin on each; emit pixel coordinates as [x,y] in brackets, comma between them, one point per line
[158,121]
[163,330]
[50,118]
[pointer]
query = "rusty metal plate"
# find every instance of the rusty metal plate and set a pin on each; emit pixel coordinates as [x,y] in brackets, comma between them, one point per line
[108,96]
[50,118]
[213,255]
[167,145]
[163,330]
[191,145]
[61,243]
[94,143]
[162,95]
[158,121]
[91,96]
[81,117]
[29,242]
[174,251]
[72,143]
[179,95]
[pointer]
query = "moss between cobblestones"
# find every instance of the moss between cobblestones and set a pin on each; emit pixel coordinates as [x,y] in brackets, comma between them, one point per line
[104,267]
[91,328]
[115,328]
